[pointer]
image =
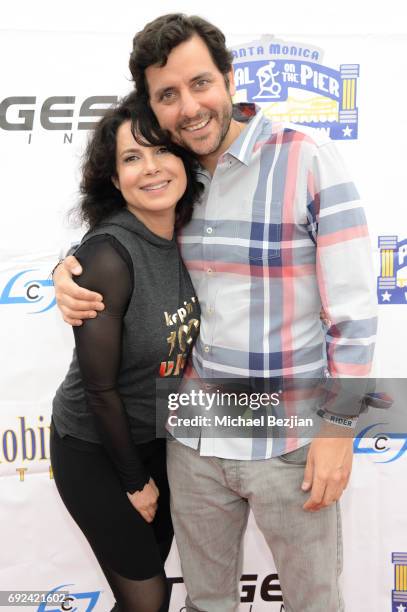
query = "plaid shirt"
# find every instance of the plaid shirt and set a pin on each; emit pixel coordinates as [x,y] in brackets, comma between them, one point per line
[279,232]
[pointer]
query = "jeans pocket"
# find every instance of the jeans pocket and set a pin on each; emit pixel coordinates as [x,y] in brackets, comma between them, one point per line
[295,457]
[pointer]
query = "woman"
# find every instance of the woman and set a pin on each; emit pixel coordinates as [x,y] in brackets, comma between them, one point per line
[108,465]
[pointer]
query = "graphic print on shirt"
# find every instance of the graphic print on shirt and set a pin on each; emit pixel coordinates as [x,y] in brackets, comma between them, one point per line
[183,329]
[289,82]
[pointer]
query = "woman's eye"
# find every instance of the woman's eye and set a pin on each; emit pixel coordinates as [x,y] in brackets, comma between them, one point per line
[130,158]
[162,150]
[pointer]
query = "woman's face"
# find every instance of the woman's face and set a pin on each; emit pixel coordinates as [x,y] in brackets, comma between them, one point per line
[151,179]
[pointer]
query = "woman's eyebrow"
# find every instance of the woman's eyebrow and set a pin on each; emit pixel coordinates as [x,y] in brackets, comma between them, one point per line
[130,150]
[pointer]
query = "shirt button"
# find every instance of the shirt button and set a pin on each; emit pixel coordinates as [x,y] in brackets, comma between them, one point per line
[209,230]
[206,349]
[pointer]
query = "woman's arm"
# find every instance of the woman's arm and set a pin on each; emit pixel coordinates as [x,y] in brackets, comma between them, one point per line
[108,270]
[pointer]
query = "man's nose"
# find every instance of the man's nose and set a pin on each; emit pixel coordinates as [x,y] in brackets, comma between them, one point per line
[189,105]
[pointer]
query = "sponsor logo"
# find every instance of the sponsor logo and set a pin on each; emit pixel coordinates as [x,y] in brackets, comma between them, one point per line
[24,447]
[253,589]
[60,115]
[384,446]
[289,82]
[71,601]
[25,443]
[25,113]
[392,281]
[28,288]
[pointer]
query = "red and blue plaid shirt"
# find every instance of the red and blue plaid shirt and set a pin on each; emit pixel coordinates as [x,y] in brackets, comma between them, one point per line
[278,233]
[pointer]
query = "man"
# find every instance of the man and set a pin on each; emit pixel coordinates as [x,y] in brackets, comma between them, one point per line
[278,232]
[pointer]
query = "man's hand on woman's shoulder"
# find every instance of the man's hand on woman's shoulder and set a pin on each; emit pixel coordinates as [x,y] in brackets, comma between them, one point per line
[75,303]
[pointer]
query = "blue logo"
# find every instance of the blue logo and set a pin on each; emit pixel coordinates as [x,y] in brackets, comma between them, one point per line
[392,282]
[67,602]
[399,593]
[289,82]
[388,446]
[21,289]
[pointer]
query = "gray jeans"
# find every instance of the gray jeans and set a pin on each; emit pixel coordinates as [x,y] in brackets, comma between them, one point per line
[210,503]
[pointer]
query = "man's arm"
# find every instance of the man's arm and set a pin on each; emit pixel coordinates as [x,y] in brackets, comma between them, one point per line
[346,286]
[75,303]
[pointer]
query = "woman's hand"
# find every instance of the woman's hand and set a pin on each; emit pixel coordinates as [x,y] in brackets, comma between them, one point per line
[145,501]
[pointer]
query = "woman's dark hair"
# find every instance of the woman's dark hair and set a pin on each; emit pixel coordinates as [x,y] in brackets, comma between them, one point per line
[157,39]
[99,197]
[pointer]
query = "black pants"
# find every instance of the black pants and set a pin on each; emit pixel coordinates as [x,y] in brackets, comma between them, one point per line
[130,550]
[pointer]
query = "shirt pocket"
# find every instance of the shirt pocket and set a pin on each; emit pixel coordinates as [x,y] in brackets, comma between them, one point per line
[258,236]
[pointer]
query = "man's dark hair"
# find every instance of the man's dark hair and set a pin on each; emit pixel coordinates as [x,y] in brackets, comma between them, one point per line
[156,41]
[99,197]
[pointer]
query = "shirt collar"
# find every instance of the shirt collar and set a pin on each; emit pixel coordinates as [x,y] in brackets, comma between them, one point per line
[242,147]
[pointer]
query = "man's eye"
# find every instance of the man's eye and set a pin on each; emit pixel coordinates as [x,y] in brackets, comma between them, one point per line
[167,96]
[202,82]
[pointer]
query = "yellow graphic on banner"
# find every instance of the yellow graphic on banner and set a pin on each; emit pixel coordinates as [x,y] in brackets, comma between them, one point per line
[303,110]
[399,593]
[387,263]
[349,94]
[401,577]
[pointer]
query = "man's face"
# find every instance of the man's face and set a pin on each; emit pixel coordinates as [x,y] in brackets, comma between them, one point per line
[191,99]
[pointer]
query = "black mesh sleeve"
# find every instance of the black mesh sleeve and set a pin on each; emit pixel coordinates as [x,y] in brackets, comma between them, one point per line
[107,269]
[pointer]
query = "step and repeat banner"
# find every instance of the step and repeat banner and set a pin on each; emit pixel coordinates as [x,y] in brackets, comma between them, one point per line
[54,86]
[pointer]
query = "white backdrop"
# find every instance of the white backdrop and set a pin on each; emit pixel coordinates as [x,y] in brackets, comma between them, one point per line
[84,53]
